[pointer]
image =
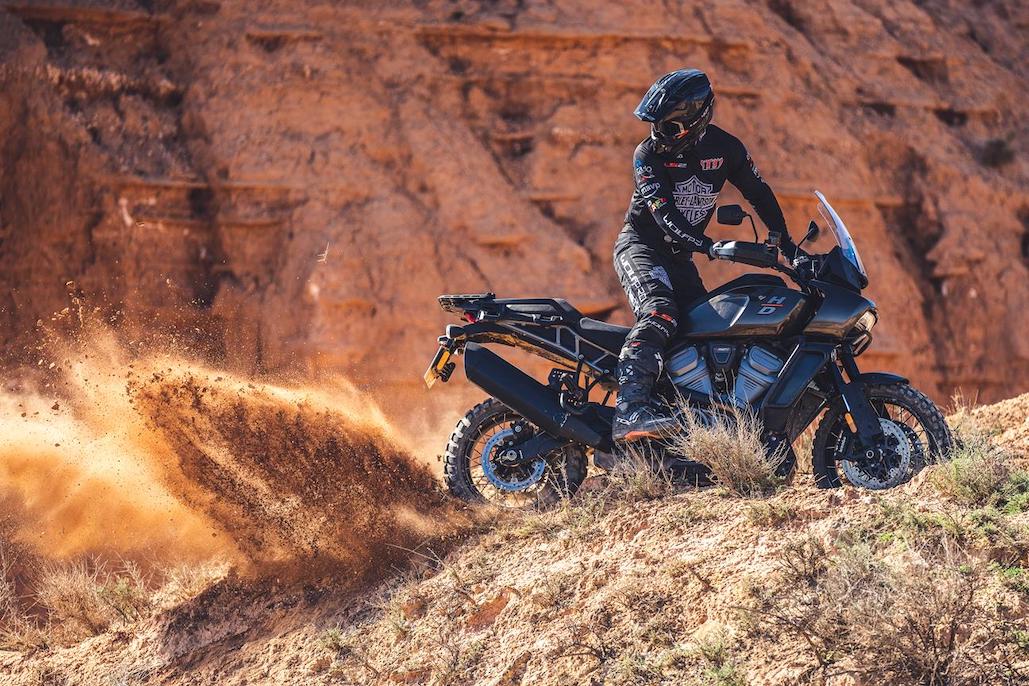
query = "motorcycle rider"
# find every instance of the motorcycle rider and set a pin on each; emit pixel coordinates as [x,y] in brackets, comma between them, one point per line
[679,171]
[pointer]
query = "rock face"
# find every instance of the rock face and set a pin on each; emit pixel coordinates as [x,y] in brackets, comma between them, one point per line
[292,183]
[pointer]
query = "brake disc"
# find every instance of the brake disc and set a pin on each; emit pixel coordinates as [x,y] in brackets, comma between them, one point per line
[895,464]
[509,479]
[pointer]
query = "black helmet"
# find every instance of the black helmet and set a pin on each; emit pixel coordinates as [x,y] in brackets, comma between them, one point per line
[679,107]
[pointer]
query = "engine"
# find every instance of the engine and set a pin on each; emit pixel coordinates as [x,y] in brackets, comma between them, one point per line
[732,372]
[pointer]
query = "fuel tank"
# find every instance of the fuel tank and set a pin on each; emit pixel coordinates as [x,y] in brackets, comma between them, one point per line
[744,308]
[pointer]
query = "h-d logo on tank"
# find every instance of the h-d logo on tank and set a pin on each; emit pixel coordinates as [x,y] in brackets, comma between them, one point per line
[770,305]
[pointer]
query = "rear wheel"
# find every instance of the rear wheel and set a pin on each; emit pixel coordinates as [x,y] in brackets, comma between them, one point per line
[473,472]
[915,434]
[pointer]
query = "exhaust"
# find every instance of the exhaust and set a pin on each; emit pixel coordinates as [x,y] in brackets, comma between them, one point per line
[528,397]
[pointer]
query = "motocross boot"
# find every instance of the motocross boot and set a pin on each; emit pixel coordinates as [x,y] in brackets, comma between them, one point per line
[635,417]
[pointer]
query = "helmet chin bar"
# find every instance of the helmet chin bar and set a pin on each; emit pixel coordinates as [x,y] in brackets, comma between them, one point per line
[675,147]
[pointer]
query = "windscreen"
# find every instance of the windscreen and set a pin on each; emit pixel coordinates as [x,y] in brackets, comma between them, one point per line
[839,231]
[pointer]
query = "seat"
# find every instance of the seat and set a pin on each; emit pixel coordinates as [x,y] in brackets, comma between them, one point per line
[610,337]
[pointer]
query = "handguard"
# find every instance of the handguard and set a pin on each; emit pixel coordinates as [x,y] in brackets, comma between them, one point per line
[755,254]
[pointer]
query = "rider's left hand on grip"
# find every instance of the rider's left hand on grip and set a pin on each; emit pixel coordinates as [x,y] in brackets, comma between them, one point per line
[722,250]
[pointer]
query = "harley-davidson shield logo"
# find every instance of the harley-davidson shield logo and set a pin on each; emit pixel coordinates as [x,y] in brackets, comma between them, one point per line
[694,199]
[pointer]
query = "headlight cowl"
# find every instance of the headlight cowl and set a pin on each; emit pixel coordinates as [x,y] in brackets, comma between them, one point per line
[867,321]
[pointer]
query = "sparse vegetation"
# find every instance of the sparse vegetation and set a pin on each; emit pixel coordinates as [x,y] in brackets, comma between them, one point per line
[186,581]
[976,473]
[926,619]
[771,513]
[74,600]
[732,448]
[639,476]
[84,598]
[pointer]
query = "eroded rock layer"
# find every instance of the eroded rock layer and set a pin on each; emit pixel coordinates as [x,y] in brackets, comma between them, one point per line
[292,183]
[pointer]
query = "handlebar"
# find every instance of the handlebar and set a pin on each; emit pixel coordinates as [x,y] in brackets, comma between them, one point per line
[757,255]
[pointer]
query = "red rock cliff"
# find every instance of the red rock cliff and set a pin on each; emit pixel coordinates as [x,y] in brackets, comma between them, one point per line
[299,180]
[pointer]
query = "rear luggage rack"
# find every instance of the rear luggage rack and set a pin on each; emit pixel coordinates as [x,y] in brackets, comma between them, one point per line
[468,301]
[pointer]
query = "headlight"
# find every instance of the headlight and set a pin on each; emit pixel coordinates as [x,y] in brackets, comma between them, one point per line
[867,321]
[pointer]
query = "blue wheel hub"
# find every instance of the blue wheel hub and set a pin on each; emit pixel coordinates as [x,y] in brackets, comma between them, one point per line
[509,479]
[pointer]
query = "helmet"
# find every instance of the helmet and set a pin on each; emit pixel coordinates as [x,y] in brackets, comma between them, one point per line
[679,107]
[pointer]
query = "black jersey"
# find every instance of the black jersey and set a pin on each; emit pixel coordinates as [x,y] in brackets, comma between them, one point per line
[675,196]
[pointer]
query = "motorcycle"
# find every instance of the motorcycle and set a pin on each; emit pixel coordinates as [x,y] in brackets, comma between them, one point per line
[785,355]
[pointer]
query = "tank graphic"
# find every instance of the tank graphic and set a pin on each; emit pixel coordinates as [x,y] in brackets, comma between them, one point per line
[745,311]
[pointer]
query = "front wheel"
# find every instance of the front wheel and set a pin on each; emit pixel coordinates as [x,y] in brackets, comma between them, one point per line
[914,430]
[473,472]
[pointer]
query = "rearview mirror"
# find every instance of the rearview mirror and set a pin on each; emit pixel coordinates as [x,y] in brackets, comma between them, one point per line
[813,232]
[731,215]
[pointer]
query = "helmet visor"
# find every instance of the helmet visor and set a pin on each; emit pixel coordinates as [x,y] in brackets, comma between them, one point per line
[679,123]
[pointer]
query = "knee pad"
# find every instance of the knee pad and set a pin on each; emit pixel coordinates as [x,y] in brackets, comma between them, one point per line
[656,324]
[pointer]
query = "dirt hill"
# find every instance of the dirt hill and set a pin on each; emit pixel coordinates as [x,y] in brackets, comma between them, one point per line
[291,183]
[630,583]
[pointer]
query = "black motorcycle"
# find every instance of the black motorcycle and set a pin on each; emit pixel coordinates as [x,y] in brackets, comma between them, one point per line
[784,354]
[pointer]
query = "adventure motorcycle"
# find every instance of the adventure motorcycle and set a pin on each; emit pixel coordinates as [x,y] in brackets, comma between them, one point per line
[784,354]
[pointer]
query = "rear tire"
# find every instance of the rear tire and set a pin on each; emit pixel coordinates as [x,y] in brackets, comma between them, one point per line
[930,438]
[462,463]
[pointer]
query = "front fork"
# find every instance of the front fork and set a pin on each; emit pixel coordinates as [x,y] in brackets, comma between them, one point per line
[860,416]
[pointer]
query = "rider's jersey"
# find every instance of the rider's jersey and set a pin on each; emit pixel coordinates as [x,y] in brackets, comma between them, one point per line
[675,196]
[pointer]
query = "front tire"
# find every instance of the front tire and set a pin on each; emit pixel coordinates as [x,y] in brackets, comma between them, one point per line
[915,416]
[472,444]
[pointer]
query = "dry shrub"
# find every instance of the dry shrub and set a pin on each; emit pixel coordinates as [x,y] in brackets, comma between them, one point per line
[915,619]
[769,513]
[16,631]
[8,595]
[975,473]
[186,581]
[638,476]
[86,598]
[732,448]
[982,474]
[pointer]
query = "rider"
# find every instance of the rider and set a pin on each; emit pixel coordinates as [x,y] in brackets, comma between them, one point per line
[679,171]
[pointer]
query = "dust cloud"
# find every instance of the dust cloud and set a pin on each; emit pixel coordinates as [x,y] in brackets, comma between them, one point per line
[163,460]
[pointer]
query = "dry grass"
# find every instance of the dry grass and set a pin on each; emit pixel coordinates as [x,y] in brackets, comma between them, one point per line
[85,598]
[16,631]
[936,616]
[636,582]
[732,448]
[8,595]
[639,476]
[186,581]
[78,599]
[981,474]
